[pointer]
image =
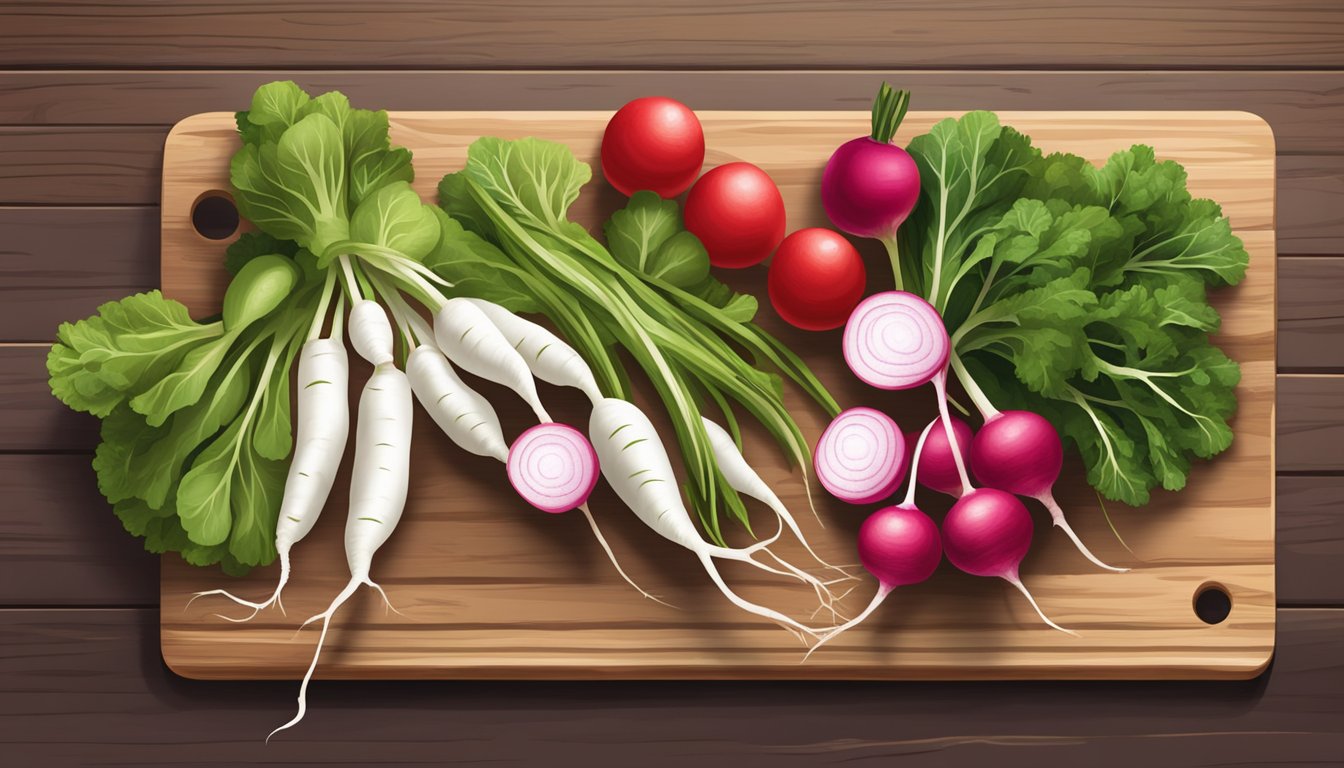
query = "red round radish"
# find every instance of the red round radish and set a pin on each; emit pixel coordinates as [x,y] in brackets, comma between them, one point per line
[816,279]
[900,546]
[896,340]
[938,467]
[1020,452]
[653,143]
[738,214]
[861,456]
[987,533]
[553,467]
[870,185]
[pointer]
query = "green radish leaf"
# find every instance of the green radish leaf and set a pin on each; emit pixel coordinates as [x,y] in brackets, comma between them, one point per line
[205,495]
[274,438]
[275,107]
[636,232]
[127,347]
[477,268]
[295,189]
[532,179]
[250,245]
[394,218]
[681,261]
[258,487]
[183,386]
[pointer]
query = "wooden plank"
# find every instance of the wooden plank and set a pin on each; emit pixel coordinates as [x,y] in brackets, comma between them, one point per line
[33,419]
[1311,316]
[60,544]
[926,34]
[1311,204]
[58,264]
[1301,105]
[65,546]
[458,528]
[80,165]
[1311,423]
[88,688]
[1310,540]
[121,166]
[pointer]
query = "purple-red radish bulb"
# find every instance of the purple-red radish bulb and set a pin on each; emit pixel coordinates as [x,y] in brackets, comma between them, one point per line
[987,533]
[870,185]
[899,546]
[1019,452]
[937,466]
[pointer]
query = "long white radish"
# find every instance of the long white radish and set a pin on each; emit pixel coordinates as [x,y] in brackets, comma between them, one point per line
[378,487]
[370,332]
[465,416]
[547,355]
[743,479]
[636,464]
[473,343]
[323,416]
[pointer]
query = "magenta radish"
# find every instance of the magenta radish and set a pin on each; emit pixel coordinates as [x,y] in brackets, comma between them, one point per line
[898,545]
[987,533]
[861,456]
[897,340]
[1020,452]
[870,185]
[938,467]
[553,467]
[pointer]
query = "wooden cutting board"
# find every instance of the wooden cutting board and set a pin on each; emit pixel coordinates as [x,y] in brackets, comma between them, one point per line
[490,588]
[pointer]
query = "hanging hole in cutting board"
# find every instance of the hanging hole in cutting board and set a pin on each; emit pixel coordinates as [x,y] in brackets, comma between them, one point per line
[214,216]
[1212,603]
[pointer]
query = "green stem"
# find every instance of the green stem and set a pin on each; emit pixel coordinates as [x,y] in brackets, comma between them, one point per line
[894,253]
[888,110]
[973,390]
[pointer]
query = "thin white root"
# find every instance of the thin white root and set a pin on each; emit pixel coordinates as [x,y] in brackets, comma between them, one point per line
[386,601]
[1057,515]
[325,616]
[274,599]
[592,523]
[1023,589]
[881,595]
[759,610]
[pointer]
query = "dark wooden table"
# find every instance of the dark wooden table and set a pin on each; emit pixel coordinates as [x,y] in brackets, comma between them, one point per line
[88,89]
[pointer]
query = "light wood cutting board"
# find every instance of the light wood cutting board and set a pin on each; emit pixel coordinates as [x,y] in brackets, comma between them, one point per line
[490,588]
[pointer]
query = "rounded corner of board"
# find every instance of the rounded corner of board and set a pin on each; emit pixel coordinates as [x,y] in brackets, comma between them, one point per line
[196,123]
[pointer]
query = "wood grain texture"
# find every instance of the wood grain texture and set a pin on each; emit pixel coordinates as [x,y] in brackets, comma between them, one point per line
[1311,431]
[1310,538]
[88,688]
[84,558]
[477,34]
[1300,104]
[62,545]
[466,563]
[80,165]
[58,264]
[121,166]
[1311,315]
[33,420]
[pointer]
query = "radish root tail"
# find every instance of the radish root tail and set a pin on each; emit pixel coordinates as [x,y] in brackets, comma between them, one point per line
[759,610]
[1023,589]
[1057,515]
[325,617]
[611,555]
[881,595]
